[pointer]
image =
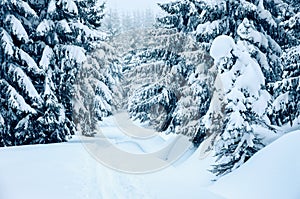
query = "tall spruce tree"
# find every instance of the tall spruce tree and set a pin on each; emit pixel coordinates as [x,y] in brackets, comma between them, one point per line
[171,82]
[97,89]
[20,73]
[208,19]
[242,104]
[262,31]
[43,44]
[285,106]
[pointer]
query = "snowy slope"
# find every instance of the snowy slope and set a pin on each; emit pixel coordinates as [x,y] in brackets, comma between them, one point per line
[68,171]
[49,171]
[272,173]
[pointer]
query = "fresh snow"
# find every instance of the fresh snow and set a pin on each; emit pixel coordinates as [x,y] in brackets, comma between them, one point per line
[7,43]
[25,7]
[221,47]
[24,83]
[209,27]
[63,24]
[51,7]
[47,56]
[2,122]
[73,52]
[247,31]
[31,65]
[68,171]
[105,90]
[70,6]
[44,27]
[15,100]
[273,172]
[17,28]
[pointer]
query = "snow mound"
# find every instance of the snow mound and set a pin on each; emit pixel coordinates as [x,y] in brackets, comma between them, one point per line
[272,172]
[221,47]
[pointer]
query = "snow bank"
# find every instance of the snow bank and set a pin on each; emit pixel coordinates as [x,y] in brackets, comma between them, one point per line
[52,171]
[272,172]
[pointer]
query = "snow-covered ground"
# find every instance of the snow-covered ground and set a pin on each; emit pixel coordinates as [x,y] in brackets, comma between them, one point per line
[71,171]
[273,172]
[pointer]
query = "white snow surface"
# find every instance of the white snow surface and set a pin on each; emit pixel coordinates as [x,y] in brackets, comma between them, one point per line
[221,47]
[67,171]
[47,56]
[7,43]
[272,172]
[16,28]
[70,6]
[44,27]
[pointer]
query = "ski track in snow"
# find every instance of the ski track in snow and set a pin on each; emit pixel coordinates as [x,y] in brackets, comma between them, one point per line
[68,171]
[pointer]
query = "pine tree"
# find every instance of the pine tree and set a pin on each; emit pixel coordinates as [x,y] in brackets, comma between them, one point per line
[43,44]
[96,89]
[285,106]
[170,82]
[207,20]
[20,74]
[154,101]
[243,104]
[112,24]
[261,29]
[2,132]
[195,96]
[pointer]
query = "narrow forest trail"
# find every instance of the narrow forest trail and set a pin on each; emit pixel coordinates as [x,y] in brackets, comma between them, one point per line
[74,172]
[128,146]
[147,164]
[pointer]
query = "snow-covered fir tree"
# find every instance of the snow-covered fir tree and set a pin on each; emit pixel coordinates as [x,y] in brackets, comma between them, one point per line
[265,32]
[242,103]
[43,44]
[20,74]
[171,82]
[208,19]
[97,89]
[112,23]
[285,106]
[153,98]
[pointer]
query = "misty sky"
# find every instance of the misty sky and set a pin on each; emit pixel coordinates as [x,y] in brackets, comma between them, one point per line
[132,5]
